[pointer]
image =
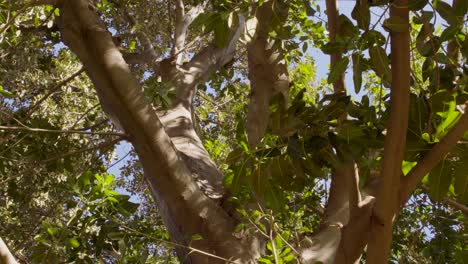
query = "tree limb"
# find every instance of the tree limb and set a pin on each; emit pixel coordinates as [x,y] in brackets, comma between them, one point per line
[333,28]
[433,157]
[209,59]
[30,129]
[186,210]
[395,140]
[182,23]
[268,73]
[104,145]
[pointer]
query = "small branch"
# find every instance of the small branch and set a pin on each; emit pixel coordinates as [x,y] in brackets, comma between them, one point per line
[30,129]
[207,60]
[172,243]
[54,89]
[353,192]
[83,115]
[463,208]
[433,157]
[101,146]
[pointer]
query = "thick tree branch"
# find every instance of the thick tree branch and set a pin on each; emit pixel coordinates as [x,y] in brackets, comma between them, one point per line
[395,140]
[333,28]
[148,55]
[268,73]
[182,23]
[186,210]
[433,157]
[344,206]
[209,59]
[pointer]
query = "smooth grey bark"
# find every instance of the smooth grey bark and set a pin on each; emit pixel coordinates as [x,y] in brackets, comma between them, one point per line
[185,208]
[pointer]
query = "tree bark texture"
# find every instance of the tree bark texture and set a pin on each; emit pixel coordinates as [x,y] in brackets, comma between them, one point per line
[268,74]
[186,183]
[185,208]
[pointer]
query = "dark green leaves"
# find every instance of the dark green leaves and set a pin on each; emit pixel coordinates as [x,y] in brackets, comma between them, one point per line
[380,64]
[361,13]
[332,47]
[216,22]
[446,12]
[338,69]
[357,72]
[439,180]
[415,5]
[5,93]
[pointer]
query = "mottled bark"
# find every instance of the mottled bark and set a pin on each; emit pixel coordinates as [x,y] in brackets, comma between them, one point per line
[268,74]
[184,207]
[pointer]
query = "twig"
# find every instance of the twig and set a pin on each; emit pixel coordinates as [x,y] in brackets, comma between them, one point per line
[450,202]
[83,115]
[100,146]
[25,128]
[53,90]
[174,244]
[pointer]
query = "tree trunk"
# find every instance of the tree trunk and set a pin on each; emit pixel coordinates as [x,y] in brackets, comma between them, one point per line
[185,208]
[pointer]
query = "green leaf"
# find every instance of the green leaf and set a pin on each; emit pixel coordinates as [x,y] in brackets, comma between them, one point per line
[52,231]
[346,27]
[288,258]
[338,69]
[396,24]
[332,47]
[446,12]
[274,198]
[449,33]
[259,179]
[221,31]
[430,47]
[5,93]
[357,72]
[309,10]
[428,68]
[380,64]
[74,243]
[439,180]
[407,166]
[85,180]
[264,260]
[461,178]
[415,5]
[425,17]
[196,237]
[132,45]
[361,13]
